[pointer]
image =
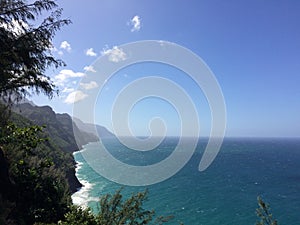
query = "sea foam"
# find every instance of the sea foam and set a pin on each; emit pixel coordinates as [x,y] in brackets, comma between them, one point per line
[82,197]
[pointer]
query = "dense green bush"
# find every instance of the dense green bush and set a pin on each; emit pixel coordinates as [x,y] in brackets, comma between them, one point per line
[113,210]
[39,187]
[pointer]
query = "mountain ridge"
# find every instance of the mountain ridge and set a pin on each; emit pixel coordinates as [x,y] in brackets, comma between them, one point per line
[94,129]
[65,133]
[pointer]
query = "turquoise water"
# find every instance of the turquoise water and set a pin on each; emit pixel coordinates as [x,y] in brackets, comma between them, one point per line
[225,193]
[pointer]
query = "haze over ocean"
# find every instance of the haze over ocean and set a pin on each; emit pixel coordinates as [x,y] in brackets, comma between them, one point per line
[225,193]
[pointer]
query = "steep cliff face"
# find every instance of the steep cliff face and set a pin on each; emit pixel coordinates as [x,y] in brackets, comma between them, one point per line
[64,134]
[61,131]
[60,127]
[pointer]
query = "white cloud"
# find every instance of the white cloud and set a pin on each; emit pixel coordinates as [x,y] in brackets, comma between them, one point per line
[66,46]
[89,69]
[115,54]
[90,52]
[136,23]
[64,75]
[68,90]
[90,85]
[75,96]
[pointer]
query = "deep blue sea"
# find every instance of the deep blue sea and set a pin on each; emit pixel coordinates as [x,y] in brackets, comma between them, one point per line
[226,193]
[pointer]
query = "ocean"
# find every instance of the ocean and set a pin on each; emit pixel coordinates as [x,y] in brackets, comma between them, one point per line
[225,193]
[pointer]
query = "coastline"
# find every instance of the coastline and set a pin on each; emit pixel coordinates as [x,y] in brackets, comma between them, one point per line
[74,183]
[73,180]
[81,196]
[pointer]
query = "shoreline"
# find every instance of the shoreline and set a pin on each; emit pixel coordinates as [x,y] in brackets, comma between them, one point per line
[81,196]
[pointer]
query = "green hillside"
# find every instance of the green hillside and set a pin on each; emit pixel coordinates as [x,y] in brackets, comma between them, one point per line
[59,127]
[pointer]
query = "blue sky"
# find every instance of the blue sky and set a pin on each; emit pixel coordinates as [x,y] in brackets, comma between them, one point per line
[252,47]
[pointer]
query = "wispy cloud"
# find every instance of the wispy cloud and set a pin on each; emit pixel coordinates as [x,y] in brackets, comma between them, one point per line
[90,52]
[135,22]
[55,50]
[68,90]
[89,69]
[64,75]
[115,54]
[90,85]
[66,46]
[75,96]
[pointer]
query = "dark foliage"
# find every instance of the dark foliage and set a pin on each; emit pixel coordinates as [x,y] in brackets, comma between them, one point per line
[34,186]
[39,188]
[113,210]
[264,213]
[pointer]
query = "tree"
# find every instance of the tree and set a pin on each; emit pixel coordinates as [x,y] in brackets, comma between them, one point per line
[40,190]
[264,213]
[113,210]
[79,216]
[25,48]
